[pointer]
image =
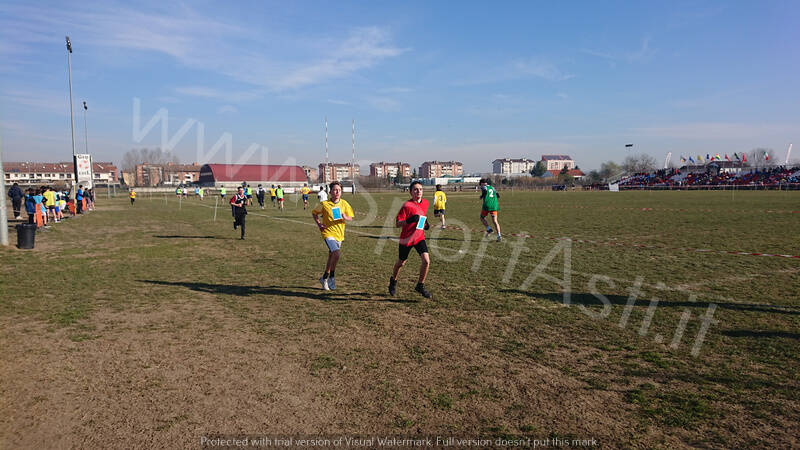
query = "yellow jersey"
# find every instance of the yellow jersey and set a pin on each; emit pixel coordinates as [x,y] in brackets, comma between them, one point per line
[272,192]
[304,190]
[333,228]
[133,194]
[51,198]
[439,199]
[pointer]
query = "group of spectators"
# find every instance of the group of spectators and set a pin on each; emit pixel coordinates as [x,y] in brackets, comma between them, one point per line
[773,176]
[46,204]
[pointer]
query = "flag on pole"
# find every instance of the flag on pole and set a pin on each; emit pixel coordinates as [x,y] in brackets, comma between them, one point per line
[683,160]
[766,156]
[736,156]
[744,157]
[699,158]
[717,157]
[727,158]
[708,157]
[691,160]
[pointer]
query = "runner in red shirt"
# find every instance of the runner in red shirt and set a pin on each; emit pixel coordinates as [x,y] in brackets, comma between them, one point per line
[414,221]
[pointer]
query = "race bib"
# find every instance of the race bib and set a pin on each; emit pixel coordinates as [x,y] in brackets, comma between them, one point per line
[337,213]
[421,223]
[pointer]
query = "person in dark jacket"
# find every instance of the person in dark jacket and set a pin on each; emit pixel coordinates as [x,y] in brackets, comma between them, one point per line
[30,204]
[16,200]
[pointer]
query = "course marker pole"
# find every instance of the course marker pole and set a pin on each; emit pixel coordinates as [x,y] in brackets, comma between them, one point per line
[216,201]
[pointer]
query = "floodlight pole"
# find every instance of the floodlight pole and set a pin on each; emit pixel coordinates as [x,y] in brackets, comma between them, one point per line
[72,121]
[85,127]
[3,210]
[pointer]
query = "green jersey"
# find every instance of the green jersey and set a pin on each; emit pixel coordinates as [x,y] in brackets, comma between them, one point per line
[490,199]
[248,191]
[222,191]
[279,192]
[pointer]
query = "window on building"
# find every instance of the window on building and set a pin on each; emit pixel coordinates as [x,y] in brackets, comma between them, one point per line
[8,176]
[61,175]
[38,175]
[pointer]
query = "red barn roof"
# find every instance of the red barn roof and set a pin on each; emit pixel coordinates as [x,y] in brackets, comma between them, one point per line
[211,173]
[573,172]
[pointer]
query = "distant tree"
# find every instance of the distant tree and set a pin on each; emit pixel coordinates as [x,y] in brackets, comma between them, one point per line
[639,163]
[609,170]
[593,177]
[564,170]
[135,156]
[414,174]
[539,169]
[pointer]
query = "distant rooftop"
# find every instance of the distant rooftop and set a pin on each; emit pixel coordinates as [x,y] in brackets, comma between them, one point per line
[556,158]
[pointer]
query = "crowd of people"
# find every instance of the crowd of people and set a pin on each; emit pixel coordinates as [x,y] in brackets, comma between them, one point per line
[45,205]
[768,177]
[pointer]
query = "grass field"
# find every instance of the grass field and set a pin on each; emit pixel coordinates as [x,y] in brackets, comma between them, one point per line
[153,325]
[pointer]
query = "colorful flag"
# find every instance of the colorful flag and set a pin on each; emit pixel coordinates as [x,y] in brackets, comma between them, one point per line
[766,156]
[691,160]
[736,156]
[717,157]
[727,158]
[708,157]
[699,158]
[744,157]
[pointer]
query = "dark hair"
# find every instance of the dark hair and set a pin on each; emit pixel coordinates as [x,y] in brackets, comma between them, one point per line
[334,183]
[438,187]
[411,186]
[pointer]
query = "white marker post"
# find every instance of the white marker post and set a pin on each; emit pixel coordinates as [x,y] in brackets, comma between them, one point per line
[216,201]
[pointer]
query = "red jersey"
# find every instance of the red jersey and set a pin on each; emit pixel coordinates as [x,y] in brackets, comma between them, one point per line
[410,235]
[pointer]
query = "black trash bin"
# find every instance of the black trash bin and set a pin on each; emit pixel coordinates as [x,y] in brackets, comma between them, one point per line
[26,233]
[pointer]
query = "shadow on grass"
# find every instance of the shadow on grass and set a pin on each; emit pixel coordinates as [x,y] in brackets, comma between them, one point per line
[591,300]
[761,334]
[293,291]
[175,236]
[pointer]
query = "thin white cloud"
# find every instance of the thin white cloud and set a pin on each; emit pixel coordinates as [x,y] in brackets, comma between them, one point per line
[642,53]
[259,57]
[218,94]
[338,102]
[716,130]
[227,109]
[519,69]
[385,104]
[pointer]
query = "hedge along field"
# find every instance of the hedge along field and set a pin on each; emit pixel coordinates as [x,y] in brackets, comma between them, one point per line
[615,316]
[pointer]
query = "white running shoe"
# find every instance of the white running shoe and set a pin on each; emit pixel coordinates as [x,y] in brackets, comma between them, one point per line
[499,238]
[324,283]
[331,283]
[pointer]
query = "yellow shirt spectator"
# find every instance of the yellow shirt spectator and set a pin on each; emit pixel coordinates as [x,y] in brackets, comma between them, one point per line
[439,200]
[333,228]
[50,196]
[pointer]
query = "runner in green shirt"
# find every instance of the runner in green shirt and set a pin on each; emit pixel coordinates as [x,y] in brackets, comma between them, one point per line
[490,206]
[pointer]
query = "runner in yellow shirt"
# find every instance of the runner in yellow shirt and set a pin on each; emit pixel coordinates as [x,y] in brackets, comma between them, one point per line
[439,200]
[132,196]
[305,190]
[334,212]
[272,195]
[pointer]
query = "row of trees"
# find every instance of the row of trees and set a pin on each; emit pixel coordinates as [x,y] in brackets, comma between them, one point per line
[136,156]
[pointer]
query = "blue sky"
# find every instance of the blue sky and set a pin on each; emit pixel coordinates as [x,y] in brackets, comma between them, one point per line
[471,81]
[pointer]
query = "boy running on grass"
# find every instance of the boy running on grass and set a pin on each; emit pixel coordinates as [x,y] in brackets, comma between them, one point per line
[132,196]
[305,190]
[334,213]
[279,194]
[272,195]
[239,205]
[413,219]
[439,200]
[490,198]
